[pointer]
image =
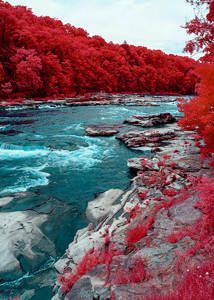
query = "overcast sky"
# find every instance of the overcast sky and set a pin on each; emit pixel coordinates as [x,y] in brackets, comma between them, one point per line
[152,23]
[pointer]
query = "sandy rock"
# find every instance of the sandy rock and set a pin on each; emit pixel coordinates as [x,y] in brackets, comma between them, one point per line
[61,264]
[136,164]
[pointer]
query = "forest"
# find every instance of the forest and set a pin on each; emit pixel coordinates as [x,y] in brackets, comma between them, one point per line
[40,57]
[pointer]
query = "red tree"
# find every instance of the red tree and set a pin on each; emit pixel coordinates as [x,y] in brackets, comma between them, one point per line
[199,112]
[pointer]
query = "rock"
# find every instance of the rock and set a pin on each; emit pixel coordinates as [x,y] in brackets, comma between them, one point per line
[102,130]
[23,245]
[102,206]
[5,200]
[189,163]
[61,264]
[79,247]
[151,120]
[82,290]
[136,139]
[185,212]
[136,164]
[157,256]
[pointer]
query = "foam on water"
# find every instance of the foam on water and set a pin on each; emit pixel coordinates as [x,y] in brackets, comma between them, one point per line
[84,156]
[78,126]
[27,177]
[4,127]
[30,177]
[10,151]
[49,106]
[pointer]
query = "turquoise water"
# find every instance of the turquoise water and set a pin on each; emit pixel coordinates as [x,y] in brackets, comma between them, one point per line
[45,152]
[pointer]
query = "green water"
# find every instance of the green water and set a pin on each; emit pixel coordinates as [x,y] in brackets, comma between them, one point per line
[44,151]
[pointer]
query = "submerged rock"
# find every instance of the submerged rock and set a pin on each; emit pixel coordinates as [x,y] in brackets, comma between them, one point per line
[5,200]
[23,245]
[102,130]
[151,120]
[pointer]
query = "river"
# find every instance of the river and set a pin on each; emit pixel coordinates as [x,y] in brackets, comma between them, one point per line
[45,154]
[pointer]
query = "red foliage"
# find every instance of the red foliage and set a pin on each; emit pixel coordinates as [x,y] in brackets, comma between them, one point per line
[42,57]
[134,212]
[199,112]
[166,157]
[196,283]
[169,192]
[134,272]
[202,26]
[137,233]
[172,164]
[176,151]
[142,196]
[88,262]
[160,164]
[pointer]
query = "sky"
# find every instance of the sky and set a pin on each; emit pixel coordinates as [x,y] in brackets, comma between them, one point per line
[155,24]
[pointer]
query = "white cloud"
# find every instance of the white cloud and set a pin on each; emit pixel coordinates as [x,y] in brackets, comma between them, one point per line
[152,23]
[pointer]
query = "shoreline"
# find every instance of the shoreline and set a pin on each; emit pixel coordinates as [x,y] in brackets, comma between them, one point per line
[112,220]
[98,99]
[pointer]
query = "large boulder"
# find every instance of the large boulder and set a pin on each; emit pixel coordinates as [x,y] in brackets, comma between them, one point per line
[151,120]
[102,206]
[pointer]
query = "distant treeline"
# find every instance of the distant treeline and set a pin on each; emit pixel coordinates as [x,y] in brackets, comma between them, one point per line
[42,57]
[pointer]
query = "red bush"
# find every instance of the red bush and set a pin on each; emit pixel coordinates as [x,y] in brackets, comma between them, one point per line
[88,262]
[140,231]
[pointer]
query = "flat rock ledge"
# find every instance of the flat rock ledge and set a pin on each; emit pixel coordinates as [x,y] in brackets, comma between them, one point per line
[115,215]
[102,130]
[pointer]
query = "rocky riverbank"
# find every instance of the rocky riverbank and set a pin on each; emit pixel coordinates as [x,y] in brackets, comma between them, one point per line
[129,250]
[97,99]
